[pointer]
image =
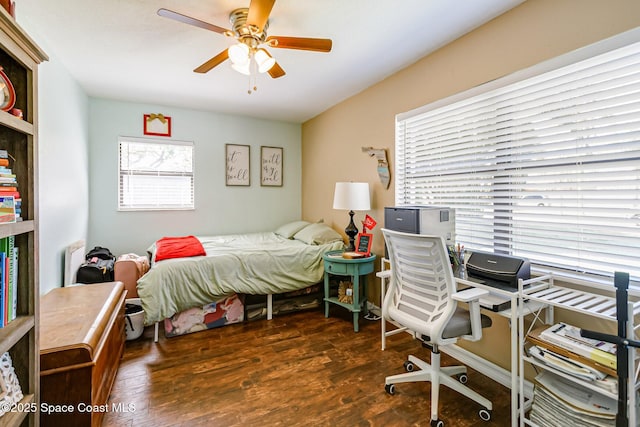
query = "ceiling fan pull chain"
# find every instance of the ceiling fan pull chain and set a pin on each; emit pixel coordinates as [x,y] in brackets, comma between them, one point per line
[253,72]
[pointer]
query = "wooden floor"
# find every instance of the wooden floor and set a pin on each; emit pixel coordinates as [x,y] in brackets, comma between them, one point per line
[299,369]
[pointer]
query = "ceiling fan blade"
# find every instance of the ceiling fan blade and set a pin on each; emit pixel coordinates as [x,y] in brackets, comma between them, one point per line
[276,71]
[301,43]
[191,21]
[259,11]
[216,60]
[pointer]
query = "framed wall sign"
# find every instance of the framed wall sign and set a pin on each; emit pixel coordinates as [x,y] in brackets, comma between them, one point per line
[157,125]
[237,165]
[271,163]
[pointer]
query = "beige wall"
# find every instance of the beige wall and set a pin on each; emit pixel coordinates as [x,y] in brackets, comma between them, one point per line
[533,32]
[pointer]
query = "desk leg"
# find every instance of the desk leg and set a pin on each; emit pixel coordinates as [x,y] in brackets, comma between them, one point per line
[356,301]
[326,294]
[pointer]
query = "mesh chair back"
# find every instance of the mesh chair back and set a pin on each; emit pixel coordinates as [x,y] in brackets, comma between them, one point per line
[422,283]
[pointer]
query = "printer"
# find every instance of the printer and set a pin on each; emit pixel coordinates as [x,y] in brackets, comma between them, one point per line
[498,271]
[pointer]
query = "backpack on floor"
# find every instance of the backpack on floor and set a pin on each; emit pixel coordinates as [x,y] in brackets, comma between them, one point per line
[98,266]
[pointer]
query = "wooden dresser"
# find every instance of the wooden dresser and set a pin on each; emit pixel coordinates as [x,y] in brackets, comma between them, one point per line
[81,343]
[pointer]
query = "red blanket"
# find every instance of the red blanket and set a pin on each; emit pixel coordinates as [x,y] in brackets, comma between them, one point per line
[178,247]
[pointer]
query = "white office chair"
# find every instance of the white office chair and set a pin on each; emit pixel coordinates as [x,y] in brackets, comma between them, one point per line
[422,296]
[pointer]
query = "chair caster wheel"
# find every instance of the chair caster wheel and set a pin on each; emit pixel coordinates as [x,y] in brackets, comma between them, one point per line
[463,378]
[437,423]
[485,414]
[390,389]
[409,366]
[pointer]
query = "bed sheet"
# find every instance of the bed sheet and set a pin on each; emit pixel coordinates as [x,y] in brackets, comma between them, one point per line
[254,263]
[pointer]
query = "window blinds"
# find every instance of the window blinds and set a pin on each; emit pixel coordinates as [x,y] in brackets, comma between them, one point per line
[155,175]
[546,167]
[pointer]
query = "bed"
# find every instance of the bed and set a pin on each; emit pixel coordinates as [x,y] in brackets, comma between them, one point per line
[265,263]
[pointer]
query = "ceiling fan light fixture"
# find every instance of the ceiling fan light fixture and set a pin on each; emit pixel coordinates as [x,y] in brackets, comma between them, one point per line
[264,60]
[239,54]
[242,68]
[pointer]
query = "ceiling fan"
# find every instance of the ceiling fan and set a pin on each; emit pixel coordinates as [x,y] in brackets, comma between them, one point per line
[250,30]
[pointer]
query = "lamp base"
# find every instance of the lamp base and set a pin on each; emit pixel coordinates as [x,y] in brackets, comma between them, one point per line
[351,231]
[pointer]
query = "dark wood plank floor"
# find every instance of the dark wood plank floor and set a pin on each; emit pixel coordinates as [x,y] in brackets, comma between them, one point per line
[299,369]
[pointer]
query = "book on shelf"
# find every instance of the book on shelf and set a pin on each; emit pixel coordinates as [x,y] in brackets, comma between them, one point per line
[3,295]
[4,161]
[8,303]
[14,194]
[7,209]
[14,285]
[8,280]
[568,337]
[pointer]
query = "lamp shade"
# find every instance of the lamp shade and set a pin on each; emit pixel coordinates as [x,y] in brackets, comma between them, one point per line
[239,54]
[242,68]
[264,60]
[353,196]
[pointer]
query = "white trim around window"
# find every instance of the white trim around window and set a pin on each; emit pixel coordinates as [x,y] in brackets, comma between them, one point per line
[543,163]
[155,174]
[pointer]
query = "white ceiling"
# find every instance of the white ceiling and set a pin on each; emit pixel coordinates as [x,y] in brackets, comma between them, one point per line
[121,49]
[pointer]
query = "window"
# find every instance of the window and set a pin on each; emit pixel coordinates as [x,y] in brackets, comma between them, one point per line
[544,163]
[155,175]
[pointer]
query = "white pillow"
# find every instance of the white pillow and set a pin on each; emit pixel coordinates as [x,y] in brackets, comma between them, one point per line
[317,234]
[288,230]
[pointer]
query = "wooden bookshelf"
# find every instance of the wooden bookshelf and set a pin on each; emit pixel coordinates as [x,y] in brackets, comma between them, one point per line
[19,58]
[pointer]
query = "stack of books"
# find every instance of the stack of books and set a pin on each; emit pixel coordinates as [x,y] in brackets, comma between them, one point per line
[578,367]
[10,200]
[8,280]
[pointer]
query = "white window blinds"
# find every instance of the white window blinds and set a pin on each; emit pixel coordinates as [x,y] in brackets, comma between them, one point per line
[155,175]
[546,167]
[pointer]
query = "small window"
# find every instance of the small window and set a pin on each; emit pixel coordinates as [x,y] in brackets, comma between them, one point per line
[155,175]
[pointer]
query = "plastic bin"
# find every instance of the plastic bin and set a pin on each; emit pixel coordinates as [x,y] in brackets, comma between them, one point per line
[134,318]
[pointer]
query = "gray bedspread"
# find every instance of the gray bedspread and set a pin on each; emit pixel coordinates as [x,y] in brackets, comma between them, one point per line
[254,263]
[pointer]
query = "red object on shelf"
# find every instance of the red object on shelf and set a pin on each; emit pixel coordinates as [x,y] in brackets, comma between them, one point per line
[9,93]
[9,6]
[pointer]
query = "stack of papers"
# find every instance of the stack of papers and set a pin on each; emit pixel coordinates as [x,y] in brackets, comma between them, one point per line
[574,368]
[556,398]
[568,337]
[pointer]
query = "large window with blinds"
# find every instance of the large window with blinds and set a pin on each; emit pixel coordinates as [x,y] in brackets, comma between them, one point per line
[155,175]
[544,163]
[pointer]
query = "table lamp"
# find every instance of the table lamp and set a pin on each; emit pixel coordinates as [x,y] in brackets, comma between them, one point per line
[353,196]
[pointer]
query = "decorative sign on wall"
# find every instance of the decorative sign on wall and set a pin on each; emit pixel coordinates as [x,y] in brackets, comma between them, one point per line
[383,165]
[157,125]
[237,164]
[271,163]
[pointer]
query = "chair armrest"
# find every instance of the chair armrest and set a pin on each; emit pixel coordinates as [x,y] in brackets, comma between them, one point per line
[472,296]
